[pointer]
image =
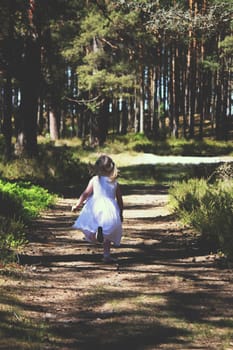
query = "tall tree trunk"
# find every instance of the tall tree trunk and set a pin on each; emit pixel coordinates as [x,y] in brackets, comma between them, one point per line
[157,93]
[141,89]
[172,93]
[218,110]
[103,122]
[182,72]
[7,124]
[124,118]
[175,90]
[7,98]
[191,90]
[224,106]
[136,110]
[131,113]
[151,102]
[53,126]
[30,87]
[165,90]
[27,140]
[141,100]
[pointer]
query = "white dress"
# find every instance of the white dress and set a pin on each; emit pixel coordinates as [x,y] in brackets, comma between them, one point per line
[101,209]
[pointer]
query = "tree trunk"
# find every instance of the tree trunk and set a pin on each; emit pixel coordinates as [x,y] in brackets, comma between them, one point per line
[27,140]
[7,98]
[53,127]
[7,124]
[103,119]
[30,88]
[190,90]
[151,102]
[40,119]
[124,118]
[141,102]
[136,109]
[174,91]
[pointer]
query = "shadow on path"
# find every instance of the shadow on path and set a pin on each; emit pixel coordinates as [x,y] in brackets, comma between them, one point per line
[164,292]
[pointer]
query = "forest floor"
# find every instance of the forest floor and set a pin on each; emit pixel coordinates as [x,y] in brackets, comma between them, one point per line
[164,291]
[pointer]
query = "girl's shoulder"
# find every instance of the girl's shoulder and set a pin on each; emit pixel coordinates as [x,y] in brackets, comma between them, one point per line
[94,178]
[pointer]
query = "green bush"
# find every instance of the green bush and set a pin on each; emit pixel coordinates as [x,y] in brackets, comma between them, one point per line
[12,236]
[23,200]
[19,204]
[56,168]
[10,204]
[186,196]
[208,208]
[12,232]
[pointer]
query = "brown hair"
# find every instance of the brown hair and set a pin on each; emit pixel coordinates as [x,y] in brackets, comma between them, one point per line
[105,166]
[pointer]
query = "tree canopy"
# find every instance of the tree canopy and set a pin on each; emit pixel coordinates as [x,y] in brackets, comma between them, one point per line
[88,68]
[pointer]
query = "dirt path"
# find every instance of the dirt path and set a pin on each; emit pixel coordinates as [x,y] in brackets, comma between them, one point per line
[163,293]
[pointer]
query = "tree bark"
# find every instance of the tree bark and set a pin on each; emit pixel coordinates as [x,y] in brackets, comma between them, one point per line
[53,127]
[27,138]
[7,124]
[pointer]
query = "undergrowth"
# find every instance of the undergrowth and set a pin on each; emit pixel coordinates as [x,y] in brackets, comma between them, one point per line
[207,206]
[19,204]
[61,167]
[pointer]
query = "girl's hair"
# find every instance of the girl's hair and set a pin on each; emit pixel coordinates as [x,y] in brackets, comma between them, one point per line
[105,166]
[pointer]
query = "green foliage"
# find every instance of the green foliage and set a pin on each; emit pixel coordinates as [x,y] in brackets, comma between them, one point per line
[10,204]
[63,168]
[208,208]
[12,236]
[19,204]
[140,142]
[227,50]
[103,67]
[210,63]
[23,200]
[26,169]
[107,82]
[137,142]
[186,195]
[140,175]
[56,168]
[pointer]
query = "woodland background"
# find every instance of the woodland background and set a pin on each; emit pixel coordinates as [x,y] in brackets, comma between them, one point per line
[137,80]
[93,68]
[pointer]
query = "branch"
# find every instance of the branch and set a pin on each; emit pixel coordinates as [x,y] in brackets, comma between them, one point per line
[87,103]
[108,43]
[82,101]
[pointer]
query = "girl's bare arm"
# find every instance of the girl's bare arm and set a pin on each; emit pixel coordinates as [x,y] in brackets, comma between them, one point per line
[120,201]
[85,194]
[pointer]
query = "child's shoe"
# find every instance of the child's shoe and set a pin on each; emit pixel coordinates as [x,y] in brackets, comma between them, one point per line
[99,235]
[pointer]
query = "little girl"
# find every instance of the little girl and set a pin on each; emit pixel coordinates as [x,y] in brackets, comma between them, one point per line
[101,217]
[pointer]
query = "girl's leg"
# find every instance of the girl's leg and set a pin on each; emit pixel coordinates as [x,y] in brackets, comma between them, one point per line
[90,236]
[107,246]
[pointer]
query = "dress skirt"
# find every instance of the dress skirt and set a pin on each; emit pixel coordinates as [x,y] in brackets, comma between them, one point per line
[101,209]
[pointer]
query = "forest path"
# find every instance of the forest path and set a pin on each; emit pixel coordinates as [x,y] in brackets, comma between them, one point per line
[163,293]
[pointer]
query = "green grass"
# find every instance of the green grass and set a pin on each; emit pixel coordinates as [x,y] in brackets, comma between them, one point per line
[162,174]
[135,143]
[62,166]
